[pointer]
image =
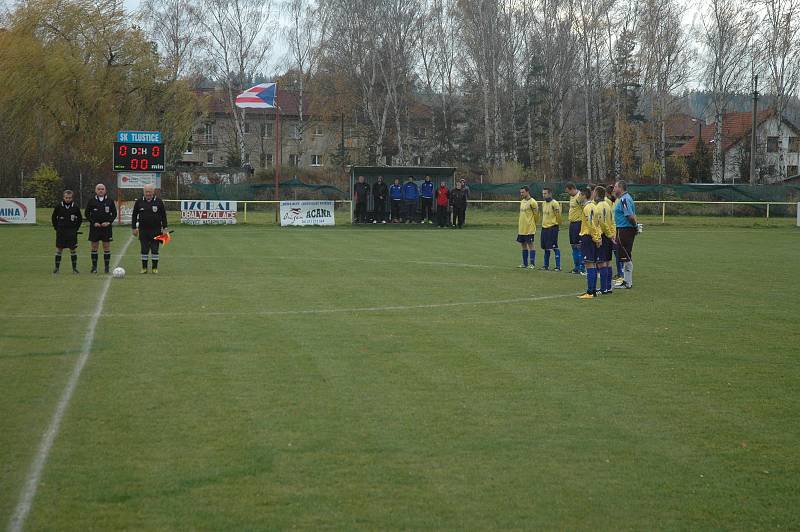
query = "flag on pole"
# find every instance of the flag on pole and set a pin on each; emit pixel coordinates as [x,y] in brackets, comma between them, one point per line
[261,96]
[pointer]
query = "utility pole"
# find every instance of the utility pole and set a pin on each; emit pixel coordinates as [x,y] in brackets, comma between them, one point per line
[753,176]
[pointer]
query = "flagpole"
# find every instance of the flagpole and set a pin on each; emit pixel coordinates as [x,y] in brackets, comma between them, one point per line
[277,153]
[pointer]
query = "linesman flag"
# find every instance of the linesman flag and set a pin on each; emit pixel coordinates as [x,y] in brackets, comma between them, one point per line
[261,96]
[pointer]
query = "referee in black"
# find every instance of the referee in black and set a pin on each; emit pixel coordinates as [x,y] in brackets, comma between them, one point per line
[66,221]
[149,219]
[101,213]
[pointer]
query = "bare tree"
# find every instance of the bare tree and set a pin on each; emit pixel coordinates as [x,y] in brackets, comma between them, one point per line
[779,49]
[728,28]
[175,28]
[304,35]
[237,42]
[399,36]
[664,59]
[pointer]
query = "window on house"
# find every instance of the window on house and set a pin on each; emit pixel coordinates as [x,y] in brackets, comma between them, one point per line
[772,144]
[794,144]
[317,131]
[267,129]
[791,171]
[189,146]
[294,131]
[266,160]
[418,160]
[294,159]
[210,157]
[208,134]
[316,160]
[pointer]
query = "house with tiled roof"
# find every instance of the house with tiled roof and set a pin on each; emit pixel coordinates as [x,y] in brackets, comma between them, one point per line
[777,152]
[310,142]
[303,142]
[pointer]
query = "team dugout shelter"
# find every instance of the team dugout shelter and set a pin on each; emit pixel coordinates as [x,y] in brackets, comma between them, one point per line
[390,173]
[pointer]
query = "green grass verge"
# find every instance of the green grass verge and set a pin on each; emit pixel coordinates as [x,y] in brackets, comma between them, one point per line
[250,386]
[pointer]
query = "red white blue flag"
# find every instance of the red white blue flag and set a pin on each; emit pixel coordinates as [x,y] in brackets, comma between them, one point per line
[261,96]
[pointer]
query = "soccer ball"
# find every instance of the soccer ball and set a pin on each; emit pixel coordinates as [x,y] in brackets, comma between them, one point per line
[118,273]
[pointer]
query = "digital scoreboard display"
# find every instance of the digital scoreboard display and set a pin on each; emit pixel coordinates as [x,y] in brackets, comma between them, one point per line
[138,157]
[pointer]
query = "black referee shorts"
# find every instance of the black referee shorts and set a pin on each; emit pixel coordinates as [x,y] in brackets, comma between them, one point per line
[625,238]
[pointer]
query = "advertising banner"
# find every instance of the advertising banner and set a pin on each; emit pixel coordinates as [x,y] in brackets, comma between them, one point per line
[17,210]
[138,179]
[124,212]
[208,212]
[307,213]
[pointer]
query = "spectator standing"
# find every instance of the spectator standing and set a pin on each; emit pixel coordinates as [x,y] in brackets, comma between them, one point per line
[442,204]
[426,191]
[379,193]
[458,199]
[396,197]
[360,193]
[410,199]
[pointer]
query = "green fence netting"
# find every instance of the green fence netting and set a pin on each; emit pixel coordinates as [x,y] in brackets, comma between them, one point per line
[687,192]
[263,191]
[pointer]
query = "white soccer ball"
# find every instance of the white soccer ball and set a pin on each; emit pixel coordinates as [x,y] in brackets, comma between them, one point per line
[118,273]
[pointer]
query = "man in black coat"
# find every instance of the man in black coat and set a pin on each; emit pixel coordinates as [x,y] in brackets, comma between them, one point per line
[101,213]
[66,221]
[379,194]
[458,199]
[360,192]
[148,220]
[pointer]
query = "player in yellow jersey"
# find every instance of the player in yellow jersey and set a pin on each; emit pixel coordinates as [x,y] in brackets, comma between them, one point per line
[591,242]
[528,216]
[576,203]
[551,219]
[604,218]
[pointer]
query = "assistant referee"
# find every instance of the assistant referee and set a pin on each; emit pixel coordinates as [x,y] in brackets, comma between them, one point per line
[149,219]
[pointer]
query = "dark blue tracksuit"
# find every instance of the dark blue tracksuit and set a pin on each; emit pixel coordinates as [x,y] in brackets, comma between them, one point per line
[410,197]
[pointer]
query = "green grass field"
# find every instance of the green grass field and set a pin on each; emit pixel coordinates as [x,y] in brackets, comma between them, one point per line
[406,378]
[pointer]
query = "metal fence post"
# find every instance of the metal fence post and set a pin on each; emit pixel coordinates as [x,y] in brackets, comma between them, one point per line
[663,211]
[767,210]
[245,212]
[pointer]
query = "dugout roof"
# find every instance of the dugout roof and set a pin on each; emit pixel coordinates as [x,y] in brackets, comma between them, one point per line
[389,173]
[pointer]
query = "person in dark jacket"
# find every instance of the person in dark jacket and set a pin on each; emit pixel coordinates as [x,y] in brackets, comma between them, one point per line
[442,204]
[396,197]
[148,220]
[66,221]
[458,199]
[379,193]
[410,199]
[360,193]
[426,192]
[101,213]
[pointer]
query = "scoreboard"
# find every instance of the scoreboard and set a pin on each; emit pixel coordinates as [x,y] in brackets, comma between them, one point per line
[138,157]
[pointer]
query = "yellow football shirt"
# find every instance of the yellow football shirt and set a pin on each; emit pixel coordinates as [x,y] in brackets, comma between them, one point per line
[589,225]
[611,222]
[575,208]
[604,218]
[528,214]
[551,213]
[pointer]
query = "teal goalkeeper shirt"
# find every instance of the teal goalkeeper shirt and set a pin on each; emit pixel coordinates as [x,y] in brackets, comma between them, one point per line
[623,208]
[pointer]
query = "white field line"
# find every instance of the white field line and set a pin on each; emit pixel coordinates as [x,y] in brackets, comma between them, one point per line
[28,494]
[346,310]
[329,259]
